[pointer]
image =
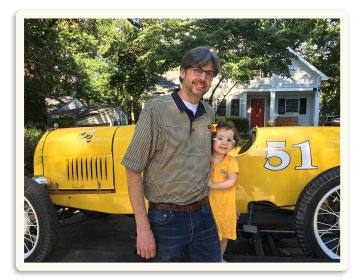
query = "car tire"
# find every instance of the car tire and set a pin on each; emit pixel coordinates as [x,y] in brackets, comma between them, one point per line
[40,222]
[317,216]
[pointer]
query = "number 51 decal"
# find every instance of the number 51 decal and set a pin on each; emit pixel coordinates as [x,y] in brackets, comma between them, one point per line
[274,151]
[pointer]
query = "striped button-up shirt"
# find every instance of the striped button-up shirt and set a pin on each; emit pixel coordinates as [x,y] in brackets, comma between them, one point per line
[172,148]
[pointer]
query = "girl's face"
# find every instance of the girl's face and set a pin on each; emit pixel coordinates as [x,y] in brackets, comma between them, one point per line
[223,142]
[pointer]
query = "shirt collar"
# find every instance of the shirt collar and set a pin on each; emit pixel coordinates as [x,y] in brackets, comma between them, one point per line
[224,160]
[182,107]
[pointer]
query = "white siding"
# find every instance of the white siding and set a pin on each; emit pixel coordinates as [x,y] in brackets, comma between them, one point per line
[303,119]
[302,84]
[300,78]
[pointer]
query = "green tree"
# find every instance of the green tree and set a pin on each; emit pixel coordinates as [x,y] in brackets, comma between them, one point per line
[112,61]
[243,45]
[65,57]
[40,48]
[136,57]
[322,49]
[246,45]
[50,64]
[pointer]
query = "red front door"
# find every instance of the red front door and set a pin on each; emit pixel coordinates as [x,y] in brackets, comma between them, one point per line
[257,112]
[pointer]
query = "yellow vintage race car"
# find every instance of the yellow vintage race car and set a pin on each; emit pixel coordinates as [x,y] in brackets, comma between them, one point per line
[285,172]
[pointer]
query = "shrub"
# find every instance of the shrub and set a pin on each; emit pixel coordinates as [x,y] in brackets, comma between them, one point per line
[32,135]
[241,124]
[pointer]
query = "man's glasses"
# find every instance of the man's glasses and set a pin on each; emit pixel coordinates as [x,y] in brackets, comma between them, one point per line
[197,71]
[224,140]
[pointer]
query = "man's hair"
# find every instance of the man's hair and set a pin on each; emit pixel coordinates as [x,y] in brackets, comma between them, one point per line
[199,57]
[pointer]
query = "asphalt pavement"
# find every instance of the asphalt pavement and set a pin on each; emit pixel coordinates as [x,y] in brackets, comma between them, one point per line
[112,238]
[97,238]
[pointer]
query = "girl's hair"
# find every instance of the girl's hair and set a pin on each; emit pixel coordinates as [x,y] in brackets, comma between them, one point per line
[225,124]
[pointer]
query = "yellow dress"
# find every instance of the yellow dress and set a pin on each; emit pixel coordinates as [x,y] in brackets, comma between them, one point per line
[222,202]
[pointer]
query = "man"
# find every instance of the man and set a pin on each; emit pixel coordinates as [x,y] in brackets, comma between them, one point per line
[172,146]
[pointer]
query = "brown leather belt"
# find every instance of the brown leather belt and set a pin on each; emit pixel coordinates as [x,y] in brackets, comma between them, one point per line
[196,206]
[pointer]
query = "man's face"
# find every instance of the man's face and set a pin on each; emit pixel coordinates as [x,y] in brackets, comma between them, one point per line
[195,84]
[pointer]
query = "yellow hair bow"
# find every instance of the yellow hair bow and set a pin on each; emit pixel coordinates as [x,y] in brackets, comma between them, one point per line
[213,127]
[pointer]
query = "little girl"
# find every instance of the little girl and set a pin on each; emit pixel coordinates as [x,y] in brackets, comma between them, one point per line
[222,181]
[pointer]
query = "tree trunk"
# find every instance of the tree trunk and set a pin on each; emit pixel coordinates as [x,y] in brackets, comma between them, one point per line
[213,91]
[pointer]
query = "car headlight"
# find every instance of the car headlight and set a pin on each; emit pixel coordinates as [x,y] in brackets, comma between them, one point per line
[41,180]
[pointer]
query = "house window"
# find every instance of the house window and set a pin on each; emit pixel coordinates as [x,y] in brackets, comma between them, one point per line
[221,107]
[292,106]
[235,107]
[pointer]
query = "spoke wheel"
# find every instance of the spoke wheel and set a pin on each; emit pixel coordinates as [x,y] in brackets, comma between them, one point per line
[31,229]
[327,223]
[317,216]
[40,222]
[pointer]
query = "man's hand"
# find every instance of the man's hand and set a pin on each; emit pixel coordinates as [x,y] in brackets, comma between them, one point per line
[145,244]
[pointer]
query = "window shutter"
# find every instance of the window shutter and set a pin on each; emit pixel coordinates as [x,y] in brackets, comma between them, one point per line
[303,106]
[281,107]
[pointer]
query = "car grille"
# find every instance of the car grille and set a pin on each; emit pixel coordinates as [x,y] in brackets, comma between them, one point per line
[87,168]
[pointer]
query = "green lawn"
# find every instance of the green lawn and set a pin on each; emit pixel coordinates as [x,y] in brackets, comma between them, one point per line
[243,140]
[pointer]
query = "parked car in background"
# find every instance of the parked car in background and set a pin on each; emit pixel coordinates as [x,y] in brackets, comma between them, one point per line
[332,121]
[293,172]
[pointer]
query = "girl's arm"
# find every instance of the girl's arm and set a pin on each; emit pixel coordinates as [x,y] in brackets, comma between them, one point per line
[227,184]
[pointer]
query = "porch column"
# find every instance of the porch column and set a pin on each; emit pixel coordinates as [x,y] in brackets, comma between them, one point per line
[272,105]
[243,104]
[228,107]
[317,107]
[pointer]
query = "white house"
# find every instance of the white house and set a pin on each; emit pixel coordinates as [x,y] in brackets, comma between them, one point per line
[285,101]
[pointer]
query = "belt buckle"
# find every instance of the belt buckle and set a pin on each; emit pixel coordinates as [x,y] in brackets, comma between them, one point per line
[195,204]
[173,208]
[188,208]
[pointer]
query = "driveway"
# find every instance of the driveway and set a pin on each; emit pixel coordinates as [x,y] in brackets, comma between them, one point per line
[113,239]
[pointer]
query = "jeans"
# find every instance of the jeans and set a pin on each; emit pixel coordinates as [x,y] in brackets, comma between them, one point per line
[175,231]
